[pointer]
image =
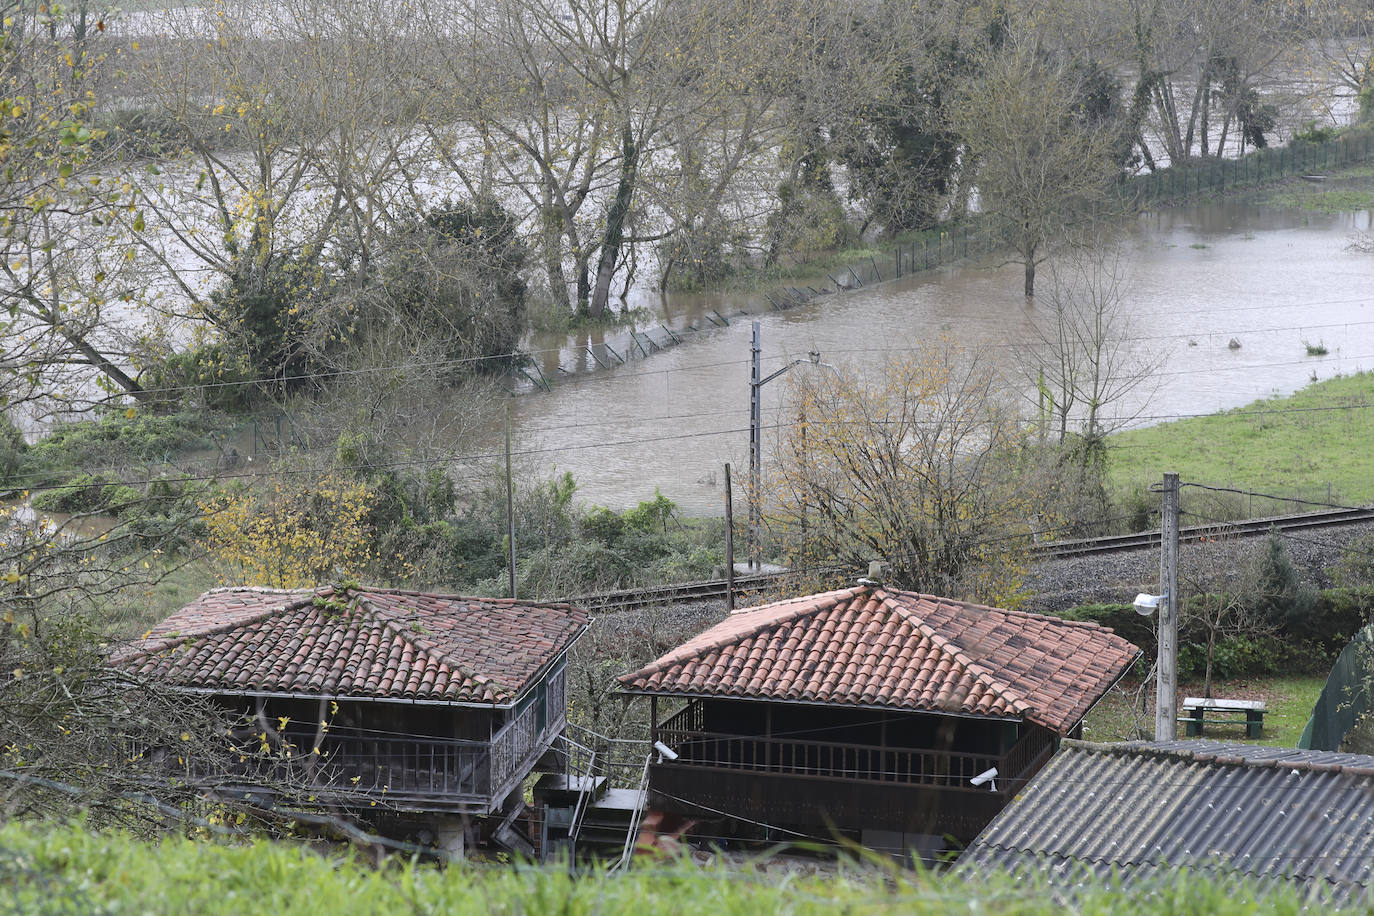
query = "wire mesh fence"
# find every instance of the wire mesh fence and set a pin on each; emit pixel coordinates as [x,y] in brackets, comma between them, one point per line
[972,236]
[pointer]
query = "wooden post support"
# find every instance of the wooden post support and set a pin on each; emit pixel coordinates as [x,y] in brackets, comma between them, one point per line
[1166,696]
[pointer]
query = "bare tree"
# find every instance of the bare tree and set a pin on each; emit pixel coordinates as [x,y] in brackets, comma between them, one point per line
[1091,378]
[917,467]
[62,275]
[286,157]
[1032,153]
[1207,73]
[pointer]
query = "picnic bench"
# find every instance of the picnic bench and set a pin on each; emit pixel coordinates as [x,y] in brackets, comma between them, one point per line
[1195,708]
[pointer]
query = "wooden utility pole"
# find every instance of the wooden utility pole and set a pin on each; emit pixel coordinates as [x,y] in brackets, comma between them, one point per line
[729,542]
[510,509]
[1166,697]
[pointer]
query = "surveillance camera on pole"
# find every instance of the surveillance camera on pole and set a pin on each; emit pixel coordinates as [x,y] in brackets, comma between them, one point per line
[987,778]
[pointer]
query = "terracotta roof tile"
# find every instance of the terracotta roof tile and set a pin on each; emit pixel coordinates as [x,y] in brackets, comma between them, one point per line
[362,642]
[880,647]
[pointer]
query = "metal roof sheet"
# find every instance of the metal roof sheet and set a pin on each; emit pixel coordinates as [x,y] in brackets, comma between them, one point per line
[1143,808]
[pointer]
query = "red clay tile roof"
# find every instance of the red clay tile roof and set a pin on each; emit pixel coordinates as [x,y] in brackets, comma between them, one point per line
[877,647]
[360,643]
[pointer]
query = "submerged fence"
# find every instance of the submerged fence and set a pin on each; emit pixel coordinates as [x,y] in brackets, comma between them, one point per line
[985,233]
[1258,167]
[980,235]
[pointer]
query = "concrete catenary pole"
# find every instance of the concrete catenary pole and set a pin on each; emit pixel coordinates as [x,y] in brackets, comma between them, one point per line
[755,446]
[1166,717]
[510,510]
[729,542]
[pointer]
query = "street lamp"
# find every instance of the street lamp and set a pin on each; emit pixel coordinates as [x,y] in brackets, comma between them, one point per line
[756,382]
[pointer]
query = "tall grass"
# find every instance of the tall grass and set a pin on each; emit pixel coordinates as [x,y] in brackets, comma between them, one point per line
[45,869]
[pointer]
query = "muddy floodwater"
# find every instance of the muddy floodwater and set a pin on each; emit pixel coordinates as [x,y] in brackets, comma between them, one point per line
[1196,279]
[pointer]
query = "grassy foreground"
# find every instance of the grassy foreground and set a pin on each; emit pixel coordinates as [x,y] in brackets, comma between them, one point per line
[1311,443]
[68,869]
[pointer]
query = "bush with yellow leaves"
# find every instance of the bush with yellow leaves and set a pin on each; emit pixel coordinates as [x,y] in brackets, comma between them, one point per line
[300,530]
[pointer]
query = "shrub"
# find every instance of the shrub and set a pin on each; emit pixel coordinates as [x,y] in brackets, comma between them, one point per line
[1276,588]
[298,533]
[210,376]
[1355,568]
[1312,132]
[84,493]
[117,437]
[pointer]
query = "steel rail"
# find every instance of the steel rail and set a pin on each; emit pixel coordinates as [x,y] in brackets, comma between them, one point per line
[626,599]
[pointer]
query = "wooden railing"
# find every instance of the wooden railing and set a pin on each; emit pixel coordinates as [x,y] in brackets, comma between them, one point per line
[691,718]
[513,745]
[1026,756]
[909,766]
[403,767]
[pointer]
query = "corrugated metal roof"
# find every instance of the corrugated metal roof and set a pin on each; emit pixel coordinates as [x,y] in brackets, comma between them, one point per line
[1142,808]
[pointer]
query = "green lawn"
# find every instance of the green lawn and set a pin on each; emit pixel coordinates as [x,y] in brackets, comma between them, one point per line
[1290,701]
[1314,443]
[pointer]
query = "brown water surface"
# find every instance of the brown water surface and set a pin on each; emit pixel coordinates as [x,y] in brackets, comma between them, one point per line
[1197,277]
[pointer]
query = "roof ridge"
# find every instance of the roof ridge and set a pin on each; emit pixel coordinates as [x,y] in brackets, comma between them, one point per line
[427,645]
[1220,754]
[1010,612]
[515,602]
[800,607]
[982,674]
[168,641]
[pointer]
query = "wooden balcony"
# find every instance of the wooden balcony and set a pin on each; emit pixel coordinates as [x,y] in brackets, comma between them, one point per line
[402,772]
[825,784]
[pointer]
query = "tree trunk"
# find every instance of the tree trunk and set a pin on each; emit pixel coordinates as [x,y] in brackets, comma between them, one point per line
[1207,674]
[553,251]
[614,235]
[102,362]
[582,275]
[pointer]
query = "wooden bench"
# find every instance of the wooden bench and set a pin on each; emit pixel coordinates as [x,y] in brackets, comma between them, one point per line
[1194,708]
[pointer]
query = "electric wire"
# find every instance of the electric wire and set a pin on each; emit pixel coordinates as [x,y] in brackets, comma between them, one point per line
[1291,499]
[500,358]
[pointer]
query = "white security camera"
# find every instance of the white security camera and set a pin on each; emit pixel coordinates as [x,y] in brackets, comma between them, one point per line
[1145,605]
[986,777]
[664,751]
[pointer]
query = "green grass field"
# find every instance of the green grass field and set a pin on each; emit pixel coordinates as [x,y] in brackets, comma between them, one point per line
[1315,444]
[46,869]
[1290,701]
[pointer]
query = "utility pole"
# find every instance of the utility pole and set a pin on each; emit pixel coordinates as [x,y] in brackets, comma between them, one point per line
[756,382]
[510,509]
[1166,697]
[729,542]
[755,446]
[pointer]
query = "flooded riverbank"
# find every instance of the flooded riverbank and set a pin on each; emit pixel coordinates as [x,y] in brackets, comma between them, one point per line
[1198,277]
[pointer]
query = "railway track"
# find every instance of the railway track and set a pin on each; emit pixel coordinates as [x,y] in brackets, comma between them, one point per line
[1144,540]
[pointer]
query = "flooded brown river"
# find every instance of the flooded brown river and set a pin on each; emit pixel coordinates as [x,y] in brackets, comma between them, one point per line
[1196,277]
